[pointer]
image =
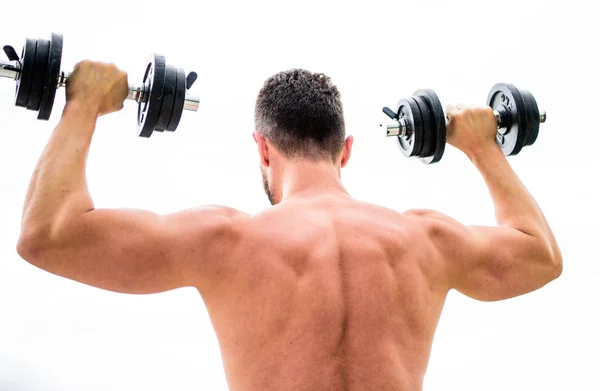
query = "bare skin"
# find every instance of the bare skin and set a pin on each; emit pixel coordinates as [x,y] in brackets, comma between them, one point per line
[319,292]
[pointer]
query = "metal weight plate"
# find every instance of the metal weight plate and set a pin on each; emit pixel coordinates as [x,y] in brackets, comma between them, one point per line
[528,113]
[506,97]
[149,108]
[167,100]
[40,66]
[179,101]
[428,131]
[413,142]
[534,117]
[26,74]
[439,125]
[143,102]
[51,82]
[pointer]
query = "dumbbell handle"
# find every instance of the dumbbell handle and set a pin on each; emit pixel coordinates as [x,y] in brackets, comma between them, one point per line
[401,127]
[12,69]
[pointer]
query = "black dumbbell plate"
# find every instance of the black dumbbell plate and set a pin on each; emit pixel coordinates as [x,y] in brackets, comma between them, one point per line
[411,144]
[51,79]
[507,98]
[437,121]
[149,108]
[533,121]
[24,80]
[428,132]
[38,77]
[166,108]
[179,101]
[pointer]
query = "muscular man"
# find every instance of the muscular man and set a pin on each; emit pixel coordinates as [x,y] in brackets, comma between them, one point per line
[320,291]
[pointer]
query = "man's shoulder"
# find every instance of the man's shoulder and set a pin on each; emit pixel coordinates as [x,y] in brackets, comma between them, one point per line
[207,220]
[409,216]
[428,216]
[212,211]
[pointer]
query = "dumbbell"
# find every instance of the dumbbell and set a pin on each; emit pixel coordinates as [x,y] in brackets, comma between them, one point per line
[161,97]
[420,122]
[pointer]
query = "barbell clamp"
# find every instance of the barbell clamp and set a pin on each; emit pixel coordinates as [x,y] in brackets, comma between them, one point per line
[399,129]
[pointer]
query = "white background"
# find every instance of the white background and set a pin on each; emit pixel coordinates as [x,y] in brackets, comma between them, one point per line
[56,334]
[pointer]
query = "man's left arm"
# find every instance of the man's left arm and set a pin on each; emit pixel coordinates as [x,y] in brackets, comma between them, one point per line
[130,251]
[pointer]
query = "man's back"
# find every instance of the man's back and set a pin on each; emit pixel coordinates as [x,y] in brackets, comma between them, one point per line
[319,292]
[328,293]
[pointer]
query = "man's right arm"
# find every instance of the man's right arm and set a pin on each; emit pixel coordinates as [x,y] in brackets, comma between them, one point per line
[518,256]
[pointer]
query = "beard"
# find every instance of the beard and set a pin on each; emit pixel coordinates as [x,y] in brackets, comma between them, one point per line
[266,186]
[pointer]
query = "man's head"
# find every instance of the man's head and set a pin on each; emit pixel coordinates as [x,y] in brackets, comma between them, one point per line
[299,117]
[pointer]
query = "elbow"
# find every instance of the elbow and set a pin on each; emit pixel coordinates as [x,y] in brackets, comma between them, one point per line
[554,262]
[33,248]
[557,265]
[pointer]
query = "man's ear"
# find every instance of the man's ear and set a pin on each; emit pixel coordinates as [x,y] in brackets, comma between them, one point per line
[263,148]
[347,151]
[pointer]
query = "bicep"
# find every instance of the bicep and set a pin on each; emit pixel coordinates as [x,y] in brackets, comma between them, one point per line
[133,251]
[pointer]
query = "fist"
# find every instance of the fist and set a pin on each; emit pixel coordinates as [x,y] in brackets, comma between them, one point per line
[471,129]
[102,86]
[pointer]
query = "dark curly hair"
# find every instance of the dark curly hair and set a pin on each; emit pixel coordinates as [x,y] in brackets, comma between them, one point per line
[301,113]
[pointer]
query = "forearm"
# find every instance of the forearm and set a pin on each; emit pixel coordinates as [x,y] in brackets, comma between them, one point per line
[58,187]
[515,207]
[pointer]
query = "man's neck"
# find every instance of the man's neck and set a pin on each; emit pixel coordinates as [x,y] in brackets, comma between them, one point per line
[303,179]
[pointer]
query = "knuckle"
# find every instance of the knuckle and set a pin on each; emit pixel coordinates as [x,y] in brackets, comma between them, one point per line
[457,116]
